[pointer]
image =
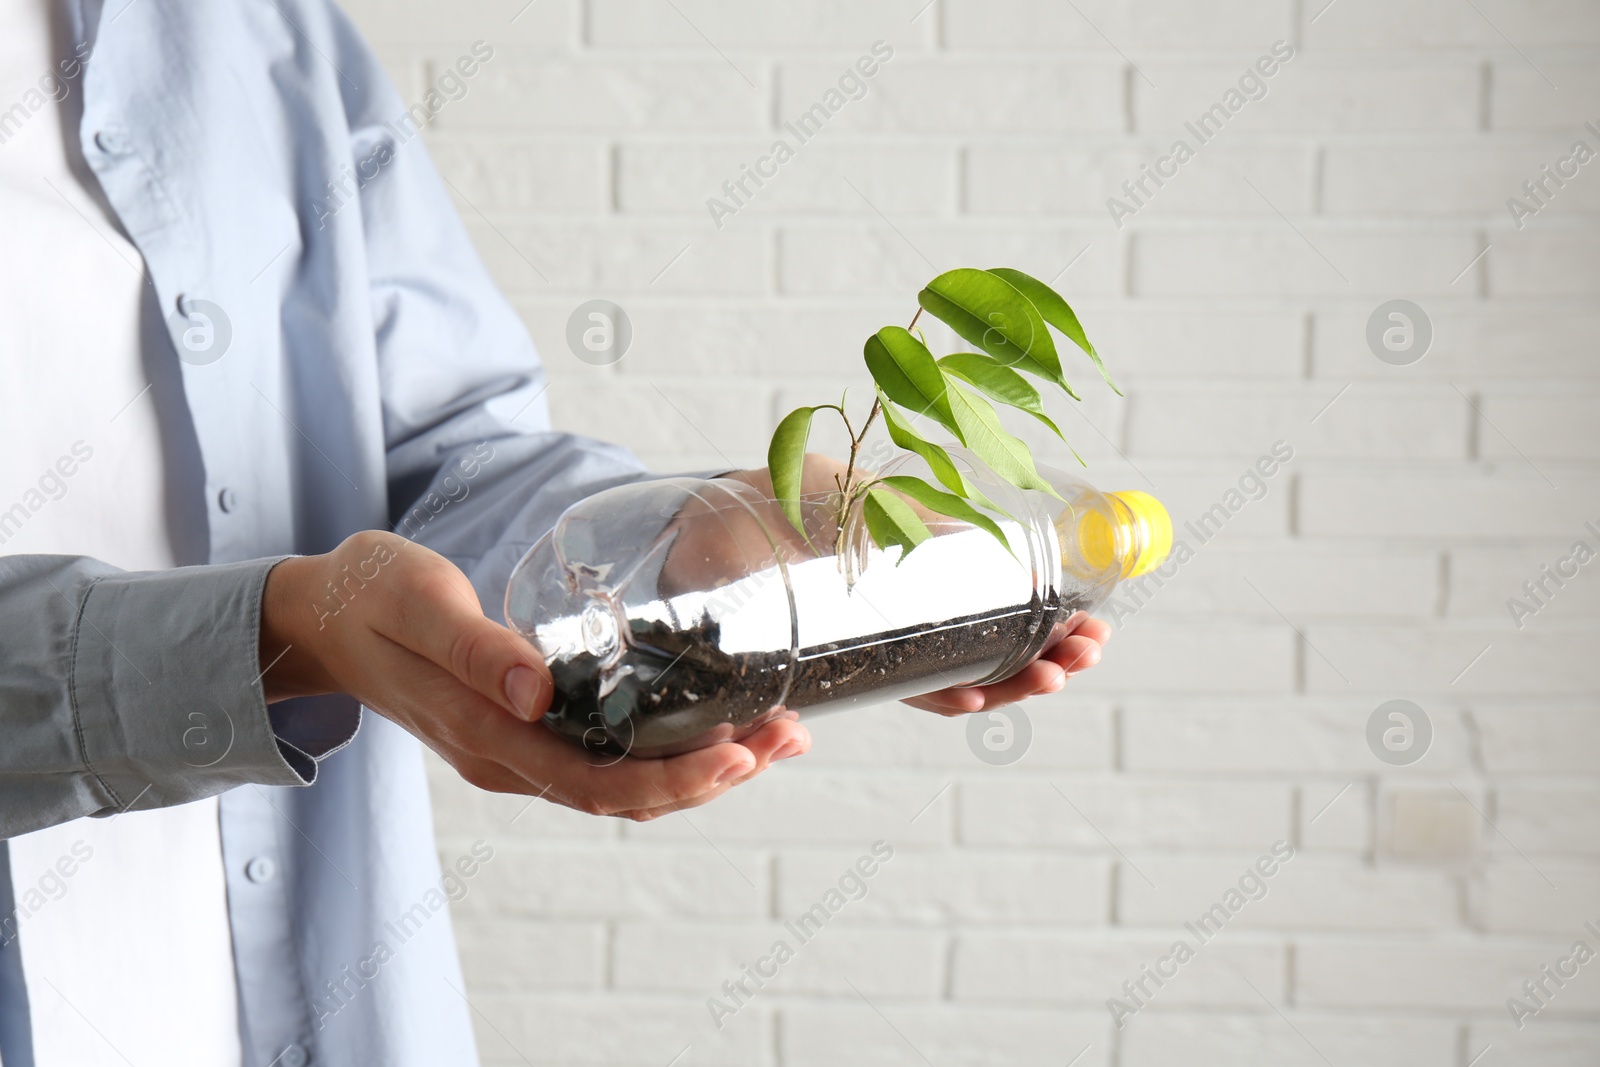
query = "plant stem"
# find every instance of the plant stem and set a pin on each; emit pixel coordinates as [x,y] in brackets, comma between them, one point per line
[848,490]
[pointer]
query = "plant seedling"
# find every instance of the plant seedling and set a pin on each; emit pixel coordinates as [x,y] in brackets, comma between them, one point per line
[1007,315]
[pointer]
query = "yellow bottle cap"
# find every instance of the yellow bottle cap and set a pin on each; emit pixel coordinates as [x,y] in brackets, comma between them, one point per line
[1139,541]
[1155,531]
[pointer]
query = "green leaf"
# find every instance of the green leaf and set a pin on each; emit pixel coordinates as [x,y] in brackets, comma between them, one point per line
[991,313]
[947,504]
[1006,455]
[891,521]
[1057,312]
[906,372]
[786,459]
[937,458]
[999,382]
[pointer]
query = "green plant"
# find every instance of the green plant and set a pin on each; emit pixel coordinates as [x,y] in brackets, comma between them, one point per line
[1007,315]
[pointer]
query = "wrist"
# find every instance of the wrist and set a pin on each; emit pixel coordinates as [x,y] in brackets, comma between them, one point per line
[288,643]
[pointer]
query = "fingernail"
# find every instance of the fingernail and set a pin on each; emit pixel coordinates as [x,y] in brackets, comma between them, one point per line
[525,691]
[1058,683]
[793,748]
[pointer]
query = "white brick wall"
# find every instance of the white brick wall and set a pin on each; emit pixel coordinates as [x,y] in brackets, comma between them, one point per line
[1226,717]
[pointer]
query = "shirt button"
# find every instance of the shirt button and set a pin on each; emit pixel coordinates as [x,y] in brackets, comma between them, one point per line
[294,1056]
[262,869]
[111,142]
[227,500]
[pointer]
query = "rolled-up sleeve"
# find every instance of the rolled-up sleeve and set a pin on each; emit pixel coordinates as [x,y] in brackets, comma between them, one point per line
[122,688]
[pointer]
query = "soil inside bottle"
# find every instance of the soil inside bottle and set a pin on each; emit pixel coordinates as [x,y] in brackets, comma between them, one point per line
[678,688]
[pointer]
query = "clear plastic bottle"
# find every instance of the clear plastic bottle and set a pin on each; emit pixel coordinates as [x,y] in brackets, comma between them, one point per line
[681,612]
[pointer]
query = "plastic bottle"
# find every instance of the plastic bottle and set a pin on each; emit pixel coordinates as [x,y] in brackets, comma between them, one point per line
[681,612]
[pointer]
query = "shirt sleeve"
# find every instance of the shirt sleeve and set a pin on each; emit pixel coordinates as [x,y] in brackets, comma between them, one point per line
[475,470]
[122,689]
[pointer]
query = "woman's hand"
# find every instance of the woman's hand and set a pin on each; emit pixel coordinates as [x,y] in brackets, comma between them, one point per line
[399,627]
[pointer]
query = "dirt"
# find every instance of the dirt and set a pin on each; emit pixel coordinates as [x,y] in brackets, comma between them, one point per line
[679,691]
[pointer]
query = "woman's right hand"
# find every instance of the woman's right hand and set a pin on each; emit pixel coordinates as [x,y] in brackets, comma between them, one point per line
[399,627]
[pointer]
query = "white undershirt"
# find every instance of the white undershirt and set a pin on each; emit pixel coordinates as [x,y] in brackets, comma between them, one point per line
[128,958]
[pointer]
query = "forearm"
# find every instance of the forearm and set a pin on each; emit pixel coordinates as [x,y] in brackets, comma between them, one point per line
[122,688]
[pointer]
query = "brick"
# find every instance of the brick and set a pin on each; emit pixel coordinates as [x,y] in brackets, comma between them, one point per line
[564,881]
[1275,261]
[1223,658]
[1427,24]
[1548,818]
[1068,732]
[1284,736]
[1314,95]
[1336,816]
[1013,95]
[515,954]
[1510,897]
[1520,340]
[1545,263]
[1148,341]
[574,1030]
[1483,580]
[503,175]
[961,885]
[549,23]
[895,1035]
[1444,827]
[1518,739]
[1006,179]
[619,261]
[1191,492]
[1521,98]
[1407,660]
[589,96]
[1225,422]
[834,26]
[681,178]
[1435,976]
[1439,180]
[1157,1039]
[810,807]
[1167,814]
[875,260]
[1308,580]
[729,339]
[1545,1042]
[1075,970]
[667,423]
[1447,505]
[881,962]
[1033,24]
[1306,893]
[1551,422]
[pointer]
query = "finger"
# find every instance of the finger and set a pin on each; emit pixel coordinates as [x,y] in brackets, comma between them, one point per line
[1096,630]
[606,785]
[954,701]
[437,616]
[775,741]
[1076,653]
[778,740]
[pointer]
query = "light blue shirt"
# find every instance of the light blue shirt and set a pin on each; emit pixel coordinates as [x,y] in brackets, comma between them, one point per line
[371,368]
